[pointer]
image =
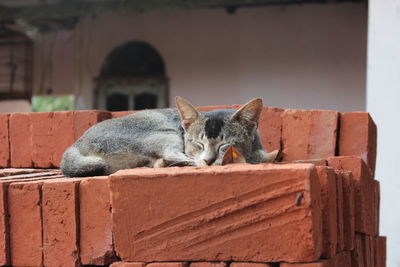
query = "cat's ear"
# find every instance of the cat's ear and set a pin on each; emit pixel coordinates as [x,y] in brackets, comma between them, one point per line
[187,112]
[249,113]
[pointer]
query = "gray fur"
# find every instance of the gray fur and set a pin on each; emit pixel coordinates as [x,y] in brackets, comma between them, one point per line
[160,138]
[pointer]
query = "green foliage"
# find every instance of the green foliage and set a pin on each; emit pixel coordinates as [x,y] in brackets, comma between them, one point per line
[52,103]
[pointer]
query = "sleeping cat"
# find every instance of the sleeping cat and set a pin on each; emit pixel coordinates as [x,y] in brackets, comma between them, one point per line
[167,137]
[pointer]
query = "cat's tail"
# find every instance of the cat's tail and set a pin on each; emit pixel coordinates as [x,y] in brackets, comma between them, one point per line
[74,164]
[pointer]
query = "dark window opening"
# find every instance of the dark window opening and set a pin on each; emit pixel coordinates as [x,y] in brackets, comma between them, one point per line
[117,102]
[145,100]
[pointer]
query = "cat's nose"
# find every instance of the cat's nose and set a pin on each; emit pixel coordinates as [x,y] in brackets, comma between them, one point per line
[209,161]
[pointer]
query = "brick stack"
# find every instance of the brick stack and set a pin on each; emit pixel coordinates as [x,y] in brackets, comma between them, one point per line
[320,208]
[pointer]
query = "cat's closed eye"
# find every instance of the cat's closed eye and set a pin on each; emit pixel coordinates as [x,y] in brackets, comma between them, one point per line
[198,145]
[222,148]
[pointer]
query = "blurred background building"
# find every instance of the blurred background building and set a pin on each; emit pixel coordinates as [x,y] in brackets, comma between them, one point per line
[132,54]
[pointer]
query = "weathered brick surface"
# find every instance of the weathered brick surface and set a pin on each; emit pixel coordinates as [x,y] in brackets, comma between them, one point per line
[168,264]
[316,162]
[309,134]
[127,264]
[380,251]
[357,254]
[4,219]
[4,142]
[208,264]
[249,264]
[377,202]
[327,180]
[358,135]
[368,250]
[4,229]
[270,128]
[340,214]
[63,134]
[42,139]
[25,224]
[364,191]
[185,214]
[17,171]
[85,119]
[118,114]
[60,222]
[96,242]
[20,140]
[348,210]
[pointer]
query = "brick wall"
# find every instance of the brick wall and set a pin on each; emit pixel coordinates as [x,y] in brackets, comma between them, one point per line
[319,208]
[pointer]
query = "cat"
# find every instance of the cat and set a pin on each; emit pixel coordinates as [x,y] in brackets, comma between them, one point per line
[183,136]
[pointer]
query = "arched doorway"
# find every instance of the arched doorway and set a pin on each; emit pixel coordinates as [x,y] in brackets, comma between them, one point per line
[132,77]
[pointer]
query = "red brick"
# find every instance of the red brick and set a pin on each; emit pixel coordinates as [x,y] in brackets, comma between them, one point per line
[85,119]
[63,134]
[368,251]
[380,251]
[127,264]
[357,255]
[270,128]
[309,134]
[4,229]
[343,259]
[4,142]
[377,201]
[96,243]
[208,264]
[118,114]
[167,264]
[42,139]
[16,171]
[60,223]
[327,180]
[364,191]
[316,162]
[340,207]
[249,264]
[320,263]
[209,108]
[348,211]
[184,214]
[358,135]
[4,220]
[20,140]
[25,224]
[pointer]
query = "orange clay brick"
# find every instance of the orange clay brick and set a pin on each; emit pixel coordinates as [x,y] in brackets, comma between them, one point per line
[348,211]
[280,216]
[380,251]
[42,139]
[63,134]
[60,222]
[249,264]
[340,207]
[358,135]
[118,114]
[20,140]
[309,134]
[4,142]
[25,224]
[327,180]
[127,264]
[365,207]
[208,264]
[96,242]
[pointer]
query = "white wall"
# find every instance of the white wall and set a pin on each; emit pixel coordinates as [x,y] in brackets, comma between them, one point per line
[305,56]
[383,98]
